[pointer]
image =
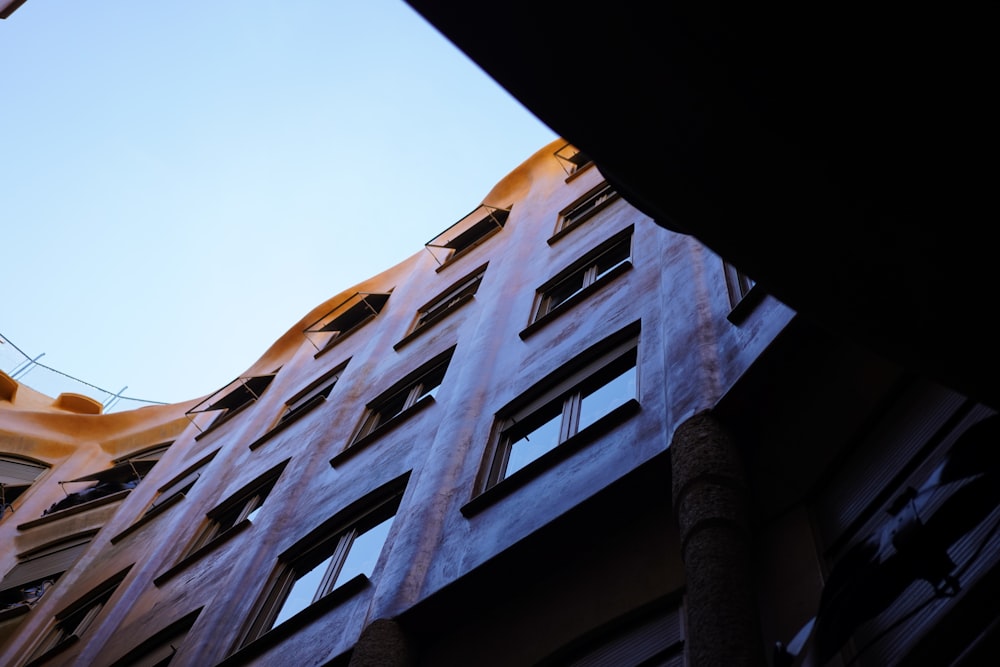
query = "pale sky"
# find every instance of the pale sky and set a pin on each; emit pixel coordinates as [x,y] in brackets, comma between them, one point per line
[183,181]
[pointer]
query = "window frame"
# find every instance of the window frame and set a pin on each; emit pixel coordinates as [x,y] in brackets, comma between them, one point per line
[331,542]
[313,394]
[469,232]
[560,394]
[743,292]
[45,563]
[159,649]
[441,306]
[169,494]
[352,314]
[572,160]
[17,471]
[584,277]
[413,391]
[60,634]
[231,515]
[583,208]
[241,392]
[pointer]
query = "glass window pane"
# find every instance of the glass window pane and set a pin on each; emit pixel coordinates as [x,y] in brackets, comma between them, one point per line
[254,513]
[303,591]
[562,292]
[604,398]
[613,258]
[392,407]
[364,552]
[533,444]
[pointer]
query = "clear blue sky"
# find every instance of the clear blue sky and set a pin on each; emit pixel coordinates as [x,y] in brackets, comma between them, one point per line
[182,181]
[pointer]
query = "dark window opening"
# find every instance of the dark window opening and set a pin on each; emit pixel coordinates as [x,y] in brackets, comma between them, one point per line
[348,316]
[467,233]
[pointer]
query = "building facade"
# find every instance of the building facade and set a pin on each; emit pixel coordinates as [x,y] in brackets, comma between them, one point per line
[559,434]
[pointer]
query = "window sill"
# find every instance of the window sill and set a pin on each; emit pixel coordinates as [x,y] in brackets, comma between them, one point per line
[294,417]
[388,426]
[201,552]
[76,509]
[746,305]
[246,653]
[549,459]
[429,323]
[576,298]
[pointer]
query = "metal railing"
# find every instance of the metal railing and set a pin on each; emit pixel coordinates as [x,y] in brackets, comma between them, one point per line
[29,371]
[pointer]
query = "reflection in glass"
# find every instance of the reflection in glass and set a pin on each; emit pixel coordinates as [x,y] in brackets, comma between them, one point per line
[303,592]
[364,552]
[531,445]
[607,397]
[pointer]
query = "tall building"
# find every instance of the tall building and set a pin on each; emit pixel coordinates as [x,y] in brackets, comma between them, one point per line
[559,434]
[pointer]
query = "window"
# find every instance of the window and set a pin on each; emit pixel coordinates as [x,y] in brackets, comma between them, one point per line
[557,412]
[417,388]
[348,316]
[159,650]
[738,284]
[344,550]
[124,475]
[16,475]
[449,300]
[242,507]
[175,489]
[586,206]
[572,159]
[477,226]
[39,568]
[72,622]
[314,394]
[232,398]
[605,262]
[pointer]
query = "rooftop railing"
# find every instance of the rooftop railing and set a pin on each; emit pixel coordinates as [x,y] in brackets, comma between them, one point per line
[29,371]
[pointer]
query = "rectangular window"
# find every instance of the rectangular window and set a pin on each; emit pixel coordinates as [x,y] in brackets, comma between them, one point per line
[417,388]
[39,568]
[175,489]
[450,299]
[738,284]
[598,384]
[467,233]
[71,623]
[16,476]
[315,393]
[232,398]
[586,206]
[346,549]
[159,650]
[572,159]
[122,477]
[242,507]
[346,317]
[603,263]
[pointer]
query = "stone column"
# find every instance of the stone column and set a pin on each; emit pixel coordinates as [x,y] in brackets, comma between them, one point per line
[711,506]
[382,644]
